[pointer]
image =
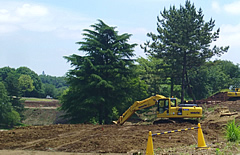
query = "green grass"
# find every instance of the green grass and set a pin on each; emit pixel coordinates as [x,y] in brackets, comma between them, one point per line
[232,132]
[35,99]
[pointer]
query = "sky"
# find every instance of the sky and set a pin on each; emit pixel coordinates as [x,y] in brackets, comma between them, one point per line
[38,33]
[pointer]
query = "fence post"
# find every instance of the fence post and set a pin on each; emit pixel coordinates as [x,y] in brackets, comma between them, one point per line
[149,150]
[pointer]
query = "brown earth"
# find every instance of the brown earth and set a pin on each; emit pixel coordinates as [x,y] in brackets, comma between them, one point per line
[50,103]
[44,112]
[128,138]
[85,138]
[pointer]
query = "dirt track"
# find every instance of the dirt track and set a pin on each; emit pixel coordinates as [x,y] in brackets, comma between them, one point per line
[100,138]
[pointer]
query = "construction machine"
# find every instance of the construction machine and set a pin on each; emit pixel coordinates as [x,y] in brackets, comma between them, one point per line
[234,95]
[166,108]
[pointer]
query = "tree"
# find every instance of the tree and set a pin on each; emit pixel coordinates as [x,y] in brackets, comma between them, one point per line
[12,85]
[154,73]
[10,79]
[8,116]
[183,41]
[25,83]
[49,89]
[53,86]
[232,70]
[213,77]
[99,80]
[37,91]
[4,72]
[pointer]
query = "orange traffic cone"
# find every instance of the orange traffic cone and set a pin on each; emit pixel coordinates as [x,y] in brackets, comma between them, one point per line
[201,141]
[149,150]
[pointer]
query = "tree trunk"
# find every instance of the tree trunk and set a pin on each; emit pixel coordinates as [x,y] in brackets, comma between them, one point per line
[171,91]
[183,77]
[101,113]
[190,89]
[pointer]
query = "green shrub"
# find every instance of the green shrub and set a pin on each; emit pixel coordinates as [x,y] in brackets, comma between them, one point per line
[232,132]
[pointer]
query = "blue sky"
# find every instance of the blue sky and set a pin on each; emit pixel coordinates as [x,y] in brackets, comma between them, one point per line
[38,33]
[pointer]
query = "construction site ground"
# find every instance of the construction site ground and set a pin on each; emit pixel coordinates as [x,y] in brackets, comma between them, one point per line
[130,138]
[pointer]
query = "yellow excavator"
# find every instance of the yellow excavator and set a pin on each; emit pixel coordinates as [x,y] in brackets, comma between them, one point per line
[234,95]
[166,108]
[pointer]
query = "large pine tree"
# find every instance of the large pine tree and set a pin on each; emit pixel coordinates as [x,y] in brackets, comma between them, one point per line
[99,79]
[183,41]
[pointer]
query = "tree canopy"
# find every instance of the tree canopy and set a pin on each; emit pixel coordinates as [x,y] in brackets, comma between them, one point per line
[100,80]
[25,83]
[8,116]
[183,41]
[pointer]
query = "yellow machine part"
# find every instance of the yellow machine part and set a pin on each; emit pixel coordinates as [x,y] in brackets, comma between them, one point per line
[235,93]
[181,112]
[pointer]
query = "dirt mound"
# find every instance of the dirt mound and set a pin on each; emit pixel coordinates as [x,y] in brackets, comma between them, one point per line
[214,99]
[221,96]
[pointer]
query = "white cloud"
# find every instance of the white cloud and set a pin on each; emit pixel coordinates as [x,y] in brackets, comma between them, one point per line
[233,29]
[233,8]
[7,28]
[31,10]
[19,16]
[215,6]
[229,36]
[6,17]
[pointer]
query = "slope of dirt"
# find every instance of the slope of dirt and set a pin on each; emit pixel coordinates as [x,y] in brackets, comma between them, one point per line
[43,112]
[42,116]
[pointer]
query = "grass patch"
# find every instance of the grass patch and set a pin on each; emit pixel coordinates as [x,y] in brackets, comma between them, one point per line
[35,99]
[232,131]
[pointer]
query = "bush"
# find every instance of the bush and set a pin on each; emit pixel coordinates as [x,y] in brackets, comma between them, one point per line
[232,132]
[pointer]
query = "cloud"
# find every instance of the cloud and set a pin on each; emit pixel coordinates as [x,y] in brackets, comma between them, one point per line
[233,8]
[215,6]
[7,29]
[16,16]
[230,35]
[19,16]
[6,17]
[32,10]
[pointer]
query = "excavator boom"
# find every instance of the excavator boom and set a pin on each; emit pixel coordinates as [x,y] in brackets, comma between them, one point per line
[138,105]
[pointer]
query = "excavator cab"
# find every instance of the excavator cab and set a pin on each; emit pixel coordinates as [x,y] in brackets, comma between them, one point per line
[166,104]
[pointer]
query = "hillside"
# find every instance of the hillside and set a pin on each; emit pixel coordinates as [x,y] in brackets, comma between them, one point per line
[42,112]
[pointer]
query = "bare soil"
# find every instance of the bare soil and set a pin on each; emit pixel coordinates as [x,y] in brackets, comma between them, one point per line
[50,103]
[86,138]
[129,138]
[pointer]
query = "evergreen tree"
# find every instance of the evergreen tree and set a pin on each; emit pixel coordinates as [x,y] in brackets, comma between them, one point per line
[8,116]
[183,41]
[99,82]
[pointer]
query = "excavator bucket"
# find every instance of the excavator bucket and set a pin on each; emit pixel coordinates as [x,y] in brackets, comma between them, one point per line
[115,122]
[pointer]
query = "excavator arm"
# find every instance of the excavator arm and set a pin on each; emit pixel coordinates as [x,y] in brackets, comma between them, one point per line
[138,105]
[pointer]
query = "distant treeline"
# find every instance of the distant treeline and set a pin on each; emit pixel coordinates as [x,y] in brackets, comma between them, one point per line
[23,82]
